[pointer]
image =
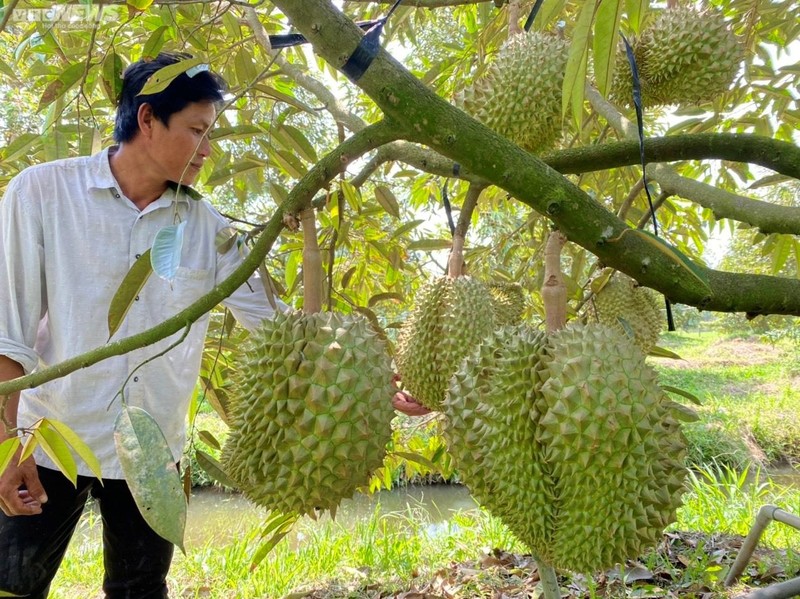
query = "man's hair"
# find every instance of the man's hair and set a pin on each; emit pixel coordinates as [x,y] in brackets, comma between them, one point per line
[204,86]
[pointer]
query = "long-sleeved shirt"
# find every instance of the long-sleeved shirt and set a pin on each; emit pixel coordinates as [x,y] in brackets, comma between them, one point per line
[67,239]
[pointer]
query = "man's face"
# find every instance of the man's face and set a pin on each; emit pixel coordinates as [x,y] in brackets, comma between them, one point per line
[180,148]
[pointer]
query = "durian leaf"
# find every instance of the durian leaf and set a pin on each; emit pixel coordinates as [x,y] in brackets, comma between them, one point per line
[152,475]
[284,525]
[387,200]
[673,253]
[575,74]
[160,80]
[217,398]
[79,447]
[7,594]
[347,276]
[660,352]
[683,393]
[548,11]
[598,283]
[154,43]
[209,439]
[416,459]
[626,326]
[382,297]
[187,482]
[430,245]
[225,238]
[213,468]
[30,443]
[403,229]
[636,11]
[7,450]
[606,36]
[682,412]
[128,290]
[112,76]
[57,450]
[165,256]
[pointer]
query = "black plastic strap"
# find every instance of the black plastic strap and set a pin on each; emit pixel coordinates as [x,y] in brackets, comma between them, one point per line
[367,48]
[532,16]
[637,104]
[448,210]
[286,40]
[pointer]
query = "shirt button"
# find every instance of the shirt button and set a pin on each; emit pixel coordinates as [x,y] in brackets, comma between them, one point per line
[136,379]
[136,298]
[138,256]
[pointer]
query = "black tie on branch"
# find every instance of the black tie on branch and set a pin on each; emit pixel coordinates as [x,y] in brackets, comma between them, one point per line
[448,210]
[637,104]
[286,40]
[532,16]
[367,48]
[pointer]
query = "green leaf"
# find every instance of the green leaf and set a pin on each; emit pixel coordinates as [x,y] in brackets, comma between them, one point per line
[154,44]
[140,4]
[682,412]
[293,140]
[209,439]
[77,444]
[683,393]
[429,245]
[19,147]
[128,291]
[57,450]
[57,88]
[213,468]
[282,97]
[160,80]
[238,132]
[387,200]
[347,276]
[575,74]
[606,36]
[165,256]
[352,195]
[660,352]
[281,525]
[403,229]
[6,70]
[636,11]
[671,252]
[112,76]
[415,458]
[30,443]
[150,470]
[7,450]
[783,246]
[7,594]
[382,297]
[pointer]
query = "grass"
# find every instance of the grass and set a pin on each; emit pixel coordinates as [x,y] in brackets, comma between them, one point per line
[749,394]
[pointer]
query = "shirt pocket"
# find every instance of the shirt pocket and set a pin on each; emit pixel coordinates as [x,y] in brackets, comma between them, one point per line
[189,285]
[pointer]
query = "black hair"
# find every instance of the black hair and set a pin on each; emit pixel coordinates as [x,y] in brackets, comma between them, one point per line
[204,86]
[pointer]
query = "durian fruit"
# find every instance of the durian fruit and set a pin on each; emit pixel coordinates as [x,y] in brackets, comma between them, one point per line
[569,441]
[508,303]
[684,57]
[312,415]
[520,95]
[451,317]
[635,310]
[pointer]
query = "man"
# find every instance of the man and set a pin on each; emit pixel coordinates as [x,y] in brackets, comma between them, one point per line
[69,232]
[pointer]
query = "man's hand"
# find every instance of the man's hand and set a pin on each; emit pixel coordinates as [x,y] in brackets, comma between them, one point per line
[18,501]
[406,404]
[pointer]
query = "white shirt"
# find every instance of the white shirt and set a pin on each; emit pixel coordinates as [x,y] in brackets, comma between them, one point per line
[67,239]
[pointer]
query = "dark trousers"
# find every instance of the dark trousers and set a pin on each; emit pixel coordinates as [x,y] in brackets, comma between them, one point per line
[136,559]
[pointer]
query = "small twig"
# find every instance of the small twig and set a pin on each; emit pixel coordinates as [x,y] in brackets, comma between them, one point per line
[663,196]
[626,205]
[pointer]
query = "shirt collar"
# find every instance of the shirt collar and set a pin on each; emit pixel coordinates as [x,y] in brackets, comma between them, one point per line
[101,177]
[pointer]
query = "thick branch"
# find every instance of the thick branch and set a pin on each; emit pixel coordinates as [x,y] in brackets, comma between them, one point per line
[431,121]
[299,198]
[420,3]
[769,218]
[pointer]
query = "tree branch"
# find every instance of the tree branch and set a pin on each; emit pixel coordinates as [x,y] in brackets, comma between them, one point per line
[299,198]
[430,120]
[769,218]
[421,3]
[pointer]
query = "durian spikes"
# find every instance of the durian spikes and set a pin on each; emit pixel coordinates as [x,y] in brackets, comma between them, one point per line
[312,264]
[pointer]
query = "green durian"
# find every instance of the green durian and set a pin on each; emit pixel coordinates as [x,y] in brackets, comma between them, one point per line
[520,95]
[568,439]
[451,317]
[312,414]
[635,310]
[508,303]
[684,56]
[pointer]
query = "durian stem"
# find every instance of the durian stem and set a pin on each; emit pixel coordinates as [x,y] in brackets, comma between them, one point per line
[548,578]
[554,291]
[455,265]
[514,10]
[312,264]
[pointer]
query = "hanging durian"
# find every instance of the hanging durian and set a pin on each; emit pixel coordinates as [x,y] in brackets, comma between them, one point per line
[568,439]
[684,57]
[520,95]
[634,310]
[508,303]
[312,415]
